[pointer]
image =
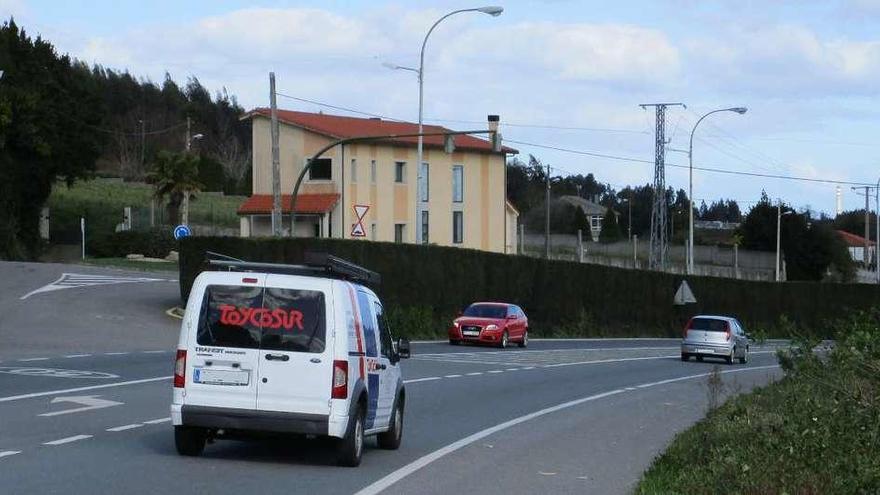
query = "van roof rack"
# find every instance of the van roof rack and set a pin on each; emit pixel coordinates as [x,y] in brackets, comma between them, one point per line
[316,265]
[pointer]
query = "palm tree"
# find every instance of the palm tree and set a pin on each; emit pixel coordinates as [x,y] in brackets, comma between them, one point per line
[175,175]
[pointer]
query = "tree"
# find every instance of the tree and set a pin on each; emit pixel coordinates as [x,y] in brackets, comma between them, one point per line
[175,176]
[810,249]
[48,111]
[582,223]
[610,228]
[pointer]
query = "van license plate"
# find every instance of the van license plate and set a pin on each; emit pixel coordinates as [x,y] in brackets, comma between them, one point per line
[220,377]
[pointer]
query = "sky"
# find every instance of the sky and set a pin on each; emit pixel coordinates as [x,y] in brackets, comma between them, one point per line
[561,74]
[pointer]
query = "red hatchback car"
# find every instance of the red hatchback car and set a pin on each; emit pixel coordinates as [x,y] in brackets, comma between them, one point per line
[491,323]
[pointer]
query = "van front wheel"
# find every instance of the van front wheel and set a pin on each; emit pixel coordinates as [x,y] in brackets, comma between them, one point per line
[189,441]
[390,440]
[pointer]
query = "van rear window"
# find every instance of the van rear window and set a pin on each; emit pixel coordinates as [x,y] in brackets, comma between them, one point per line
[294,320]
[708,325]
[226,320]
[256,318]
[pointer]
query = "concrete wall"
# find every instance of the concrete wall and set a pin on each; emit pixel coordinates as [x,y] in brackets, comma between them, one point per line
[391,203]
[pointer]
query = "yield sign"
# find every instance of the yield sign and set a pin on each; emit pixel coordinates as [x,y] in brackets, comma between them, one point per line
[358,230]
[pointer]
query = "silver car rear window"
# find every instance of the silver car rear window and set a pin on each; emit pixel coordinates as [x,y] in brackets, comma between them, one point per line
[708,325]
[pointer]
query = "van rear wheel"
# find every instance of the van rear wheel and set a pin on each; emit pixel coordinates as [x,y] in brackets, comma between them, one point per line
[351,447]
[189,441]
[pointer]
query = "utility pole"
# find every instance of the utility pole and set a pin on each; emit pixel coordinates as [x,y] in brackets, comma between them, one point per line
[778,235]
[276,164]
[188,134]
[143,141]
[547,219]
[659,243]
[865,257]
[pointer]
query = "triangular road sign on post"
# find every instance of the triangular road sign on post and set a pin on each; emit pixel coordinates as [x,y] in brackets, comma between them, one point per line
[684,295]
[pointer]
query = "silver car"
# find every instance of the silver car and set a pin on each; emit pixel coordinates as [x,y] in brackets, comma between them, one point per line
[715,336]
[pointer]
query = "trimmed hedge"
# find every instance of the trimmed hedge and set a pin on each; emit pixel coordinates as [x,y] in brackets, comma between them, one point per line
[156,243]
[561,298]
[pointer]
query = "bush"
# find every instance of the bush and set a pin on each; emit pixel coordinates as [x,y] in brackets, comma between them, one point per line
[815,431]
[156,243]
[558,296]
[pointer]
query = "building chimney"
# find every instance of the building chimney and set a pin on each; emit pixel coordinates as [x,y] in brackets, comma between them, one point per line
[493,122]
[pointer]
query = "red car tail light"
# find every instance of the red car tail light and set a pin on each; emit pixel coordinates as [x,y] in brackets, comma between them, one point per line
[180,369]
[340,380]
[727,331]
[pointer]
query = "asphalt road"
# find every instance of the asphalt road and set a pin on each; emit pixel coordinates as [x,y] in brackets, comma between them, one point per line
[561,417]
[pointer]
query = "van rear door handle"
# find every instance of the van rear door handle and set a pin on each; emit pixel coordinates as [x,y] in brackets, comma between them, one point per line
[277,357]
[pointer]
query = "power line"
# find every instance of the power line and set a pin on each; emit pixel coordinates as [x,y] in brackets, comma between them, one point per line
[704,169]
[545,126]
[335,107]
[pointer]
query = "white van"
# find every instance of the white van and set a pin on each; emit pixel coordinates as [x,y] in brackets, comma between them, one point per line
[287,349]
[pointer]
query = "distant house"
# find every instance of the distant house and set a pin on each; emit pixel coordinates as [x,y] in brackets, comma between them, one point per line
[856,246]
[594,211]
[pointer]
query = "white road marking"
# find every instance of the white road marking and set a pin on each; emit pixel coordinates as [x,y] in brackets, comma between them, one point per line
[90,402]
[428,379]
[115,353]
[77,355]
[401,473]
[155,352]
[495,371]
[125,427]
[512,369]
[68,440]
[32,359]
[157,421]
[452,376]
[529,368]
[81,389]
[475,373]
[7,453]
[73,280]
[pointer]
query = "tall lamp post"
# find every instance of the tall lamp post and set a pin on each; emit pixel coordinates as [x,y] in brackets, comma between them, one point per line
[494,11]
[690,250]
[779,215]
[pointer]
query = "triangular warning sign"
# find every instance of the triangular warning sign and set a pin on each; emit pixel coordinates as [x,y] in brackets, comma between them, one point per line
[357,230]
[361,211]
[684,295]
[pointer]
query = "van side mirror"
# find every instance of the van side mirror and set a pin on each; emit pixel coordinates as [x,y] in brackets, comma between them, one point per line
[403,351]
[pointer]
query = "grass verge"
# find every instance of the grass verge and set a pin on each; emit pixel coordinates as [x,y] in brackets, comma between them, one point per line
[817,431]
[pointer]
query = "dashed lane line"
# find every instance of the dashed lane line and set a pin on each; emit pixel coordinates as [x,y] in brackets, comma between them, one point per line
[7,453]
[69,356]
[126,427]
[426,379]
[63,441]
[475,373]
[115,353]
[495,371]
[157,421]
[28,360]
[451,376]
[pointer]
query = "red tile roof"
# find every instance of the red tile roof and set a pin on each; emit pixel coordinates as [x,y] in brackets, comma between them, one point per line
[261,204]
[339,127]
[853,240]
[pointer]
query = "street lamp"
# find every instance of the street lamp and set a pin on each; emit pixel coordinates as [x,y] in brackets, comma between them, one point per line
[690,250]
[779,215]
[494,11]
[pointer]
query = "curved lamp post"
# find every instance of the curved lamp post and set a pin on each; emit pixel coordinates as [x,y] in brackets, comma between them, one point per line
[494,11]
[690,250]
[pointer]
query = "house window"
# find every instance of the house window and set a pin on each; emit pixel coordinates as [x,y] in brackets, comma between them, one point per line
[424,226]
[399,232]
[596,222]
[373,171]
[423,182]
[457,183]
[321,169]
[400,172]
[457,227]
[354,170]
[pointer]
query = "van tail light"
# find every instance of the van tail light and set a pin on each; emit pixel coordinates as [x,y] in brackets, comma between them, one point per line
[687,327]
[180,369]
[727,331]
[340,380]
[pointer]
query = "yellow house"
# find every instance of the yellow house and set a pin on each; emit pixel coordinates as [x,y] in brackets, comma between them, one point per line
[453,199]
